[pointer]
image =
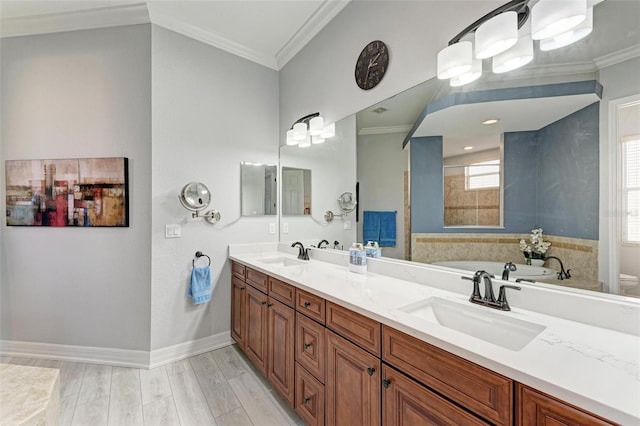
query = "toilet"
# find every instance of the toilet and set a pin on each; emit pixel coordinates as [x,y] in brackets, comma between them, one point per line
[626,283]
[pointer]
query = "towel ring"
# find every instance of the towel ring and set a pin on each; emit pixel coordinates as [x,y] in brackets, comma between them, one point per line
[200,254]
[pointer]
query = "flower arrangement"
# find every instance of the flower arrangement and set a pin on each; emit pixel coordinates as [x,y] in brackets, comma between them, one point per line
[538,247]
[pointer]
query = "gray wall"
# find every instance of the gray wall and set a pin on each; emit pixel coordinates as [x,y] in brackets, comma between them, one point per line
[69,95]
[381,167]
[320,77]
[211,110]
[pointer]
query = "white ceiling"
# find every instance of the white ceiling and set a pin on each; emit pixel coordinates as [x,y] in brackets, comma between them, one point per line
[268,32]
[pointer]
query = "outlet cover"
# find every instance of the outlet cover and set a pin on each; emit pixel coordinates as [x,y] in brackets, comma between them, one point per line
[347,224]
[272,228]
[285,228]
[172,230]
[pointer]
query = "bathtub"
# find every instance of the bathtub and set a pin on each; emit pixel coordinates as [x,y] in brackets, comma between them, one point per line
[527,272]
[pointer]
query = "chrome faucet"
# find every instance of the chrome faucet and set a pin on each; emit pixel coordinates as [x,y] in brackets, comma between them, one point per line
[508,267]
[303,254]
[336,243]
[562,274]
[489,298]
[321,242]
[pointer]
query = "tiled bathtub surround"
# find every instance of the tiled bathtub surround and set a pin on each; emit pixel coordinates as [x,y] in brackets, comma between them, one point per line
[581,256]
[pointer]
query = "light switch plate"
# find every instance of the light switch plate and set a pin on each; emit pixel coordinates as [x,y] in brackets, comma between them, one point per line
[272,228]
[172,230]
[285,228]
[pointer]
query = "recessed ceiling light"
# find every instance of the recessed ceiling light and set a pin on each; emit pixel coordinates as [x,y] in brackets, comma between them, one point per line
[491,121]
[380,110]
[467,148]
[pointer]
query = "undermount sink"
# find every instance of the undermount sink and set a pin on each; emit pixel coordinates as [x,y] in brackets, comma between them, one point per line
[282,261]
[476,321]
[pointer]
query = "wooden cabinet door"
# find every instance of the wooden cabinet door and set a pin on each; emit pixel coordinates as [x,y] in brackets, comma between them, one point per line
[238,311]
[280,358]
[352,384]
[257,333]
[405,402]
[538,409]
[310,346]
[309,397]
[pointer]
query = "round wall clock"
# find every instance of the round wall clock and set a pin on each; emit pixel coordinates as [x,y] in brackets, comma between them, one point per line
[372,65]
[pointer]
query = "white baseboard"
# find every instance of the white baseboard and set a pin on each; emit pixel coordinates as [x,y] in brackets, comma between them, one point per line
[89,354]
[180,351]
[116,357]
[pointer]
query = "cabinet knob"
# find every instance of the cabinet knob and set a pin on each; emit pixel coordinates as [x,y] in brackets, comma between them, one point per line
[386,383]
[307,345]
[306,400]
[269,305]
[264,303]
[370,371]
[307,304]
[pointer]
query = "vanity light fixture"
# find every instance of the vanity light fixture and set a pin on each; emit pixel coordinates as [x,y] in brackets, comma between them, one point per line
[503,36]
[309,130]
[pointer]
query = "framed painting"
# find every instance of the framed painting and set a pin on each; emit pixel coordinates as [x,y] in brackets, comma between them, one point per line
[79,192]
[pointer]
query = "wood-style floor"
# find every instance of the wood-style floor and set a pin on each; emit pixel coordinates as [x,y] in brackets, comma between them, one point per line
[219,387]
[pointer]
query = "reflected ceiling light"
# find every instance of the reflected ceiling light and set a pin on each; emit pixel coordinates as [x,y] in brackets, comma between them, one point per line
[467,148]
[550,18]
[473,74]
[491,121]
[455,60]
[310,129]
[496,35]
[578,32]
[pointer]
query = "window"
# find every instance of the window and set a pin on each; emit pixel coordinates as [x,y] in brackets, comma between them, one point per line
[483,175]
[631,189]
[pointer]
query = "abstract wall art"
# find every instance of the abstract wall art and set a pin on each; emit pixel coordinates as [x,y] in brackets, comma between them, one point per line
[80,192]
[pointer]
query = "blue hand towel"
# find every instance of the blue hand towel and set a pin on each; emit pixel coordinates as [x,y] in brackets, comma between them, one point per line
[200,288]
[380,227]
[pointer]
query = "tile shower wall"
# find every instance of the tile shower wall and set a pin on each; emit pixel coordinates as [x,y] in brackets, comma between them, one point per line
[469,207]
[580,255]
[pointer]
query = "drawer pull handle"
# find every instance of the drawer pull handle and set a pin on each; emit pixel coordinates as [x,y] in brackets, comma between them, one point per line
[307,304]
[264,303]
[306,400]
[307,345]
[386,383]
[370,371]
[241,288]
[269,305]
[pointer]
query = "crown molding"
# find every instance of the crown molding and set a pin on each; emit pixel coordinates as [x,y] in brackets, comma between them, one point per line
[112,16]
[384,130]
[617,57]
[212,39]
[321,17]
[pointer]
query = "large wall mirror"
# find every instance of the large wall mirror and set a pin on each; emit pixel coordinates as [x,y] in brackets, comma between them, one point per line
[259,190]
[546,191]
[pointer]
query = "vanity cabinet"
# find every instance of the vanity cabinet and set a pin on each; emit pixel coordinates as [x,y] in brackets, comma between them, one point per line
[264,327]
[479,390]
[238,311]
[535,408]
[280,350]
[352,385]
[257,332]
[406,402]
[335,366]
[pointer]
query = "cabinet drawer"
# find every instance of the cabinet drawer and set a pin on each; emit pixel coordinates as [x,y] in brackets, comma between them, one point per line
[309,402]
[536,408]
[311,305]
[310,346]
[257,279]
[361,330]
[482,391]
[238,270]
[406,402]
[282,291]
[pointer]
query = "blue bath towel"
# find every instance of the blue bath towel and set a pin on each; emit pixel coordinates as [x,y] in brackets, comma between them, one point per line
[200,288]
[380,227]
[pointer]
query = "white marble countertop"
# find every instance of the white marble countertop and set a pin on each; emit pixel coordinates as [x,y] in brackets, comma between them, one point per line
[29,395]
[590,366]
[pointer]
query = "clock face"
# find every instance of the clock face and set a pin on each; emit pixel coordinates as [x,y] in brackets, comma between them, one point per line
[372,64]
